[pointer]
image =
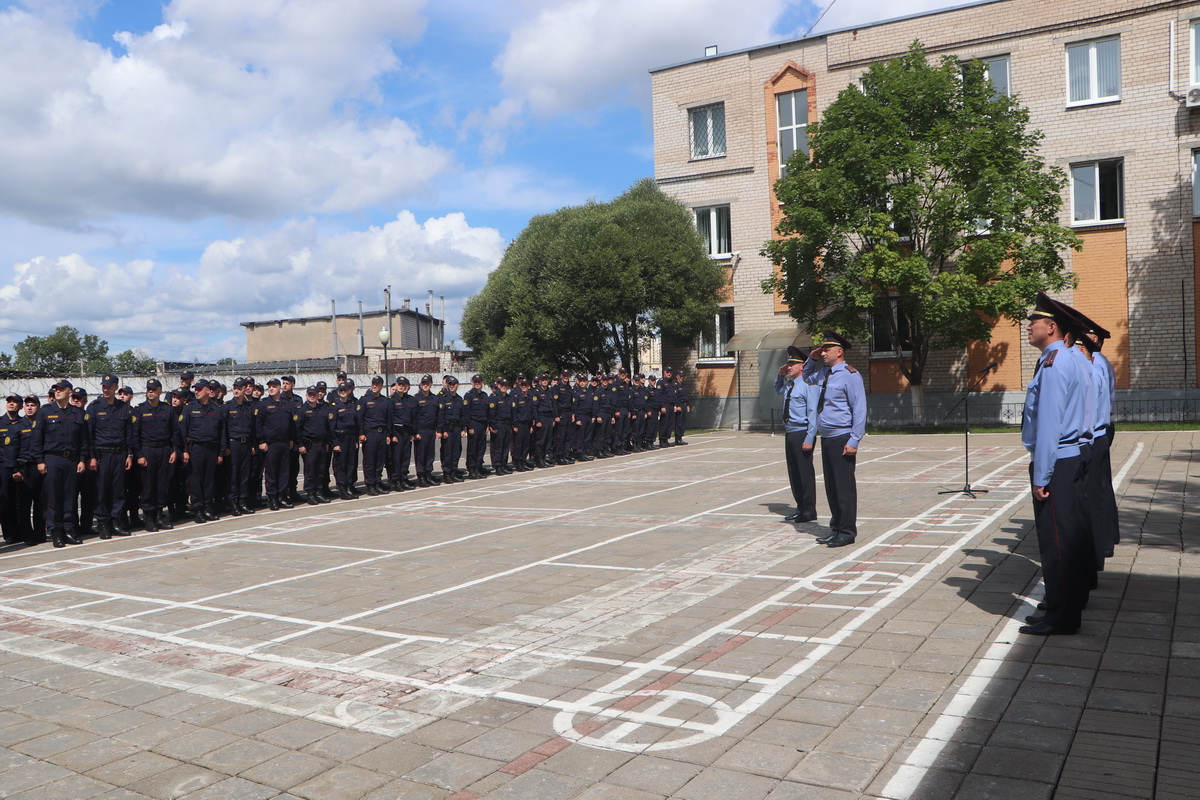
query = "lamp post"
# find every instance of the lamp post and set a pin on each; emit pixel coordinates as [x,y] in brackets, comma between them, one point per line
[385,336]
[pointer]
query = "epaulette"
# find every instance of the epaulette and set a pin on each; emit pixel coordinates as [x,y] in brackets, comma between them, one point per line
[1049,362]
[850,368]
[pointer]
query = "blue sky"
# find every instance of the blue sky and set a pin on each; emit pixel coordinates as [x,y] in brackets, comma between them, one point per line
[172,169]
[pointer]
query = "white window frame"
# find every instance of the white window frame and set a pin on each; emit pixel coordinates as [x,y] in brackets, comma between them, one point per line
[714,237]
[1006,59]
[1194,72]
[705,112]
[1095,167]
[880,354]
[707,350]
[1093,72]
[795,127]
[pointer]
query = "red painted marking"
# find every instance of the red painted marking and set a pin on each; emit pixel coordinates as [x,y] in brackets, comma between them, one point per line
[665,682]
[522,764]
[722,649]
[552,747]
[779,616]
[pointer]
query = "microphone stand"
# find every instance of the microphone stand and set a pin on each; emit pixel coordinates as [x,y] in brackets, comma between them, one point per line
[965,400]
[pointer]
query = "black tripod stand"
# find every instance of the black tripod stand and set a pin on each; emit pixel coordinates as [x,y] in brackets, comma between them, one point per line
[965,400]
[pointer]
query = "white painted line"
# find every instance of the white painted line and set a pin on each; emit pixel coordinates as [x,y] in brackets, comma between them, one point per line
[925,755]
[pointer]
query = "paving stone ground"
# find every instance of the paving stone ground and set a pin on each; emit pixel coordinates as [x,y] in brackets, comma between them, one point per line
[637,628]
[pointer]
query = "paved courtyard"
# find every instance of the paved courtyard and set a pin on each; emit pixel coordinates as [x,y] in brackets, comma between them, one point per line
[630,629]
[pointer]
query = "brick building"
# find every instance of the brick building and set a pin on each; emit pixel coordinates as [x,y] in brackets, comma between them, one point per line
[1106,81]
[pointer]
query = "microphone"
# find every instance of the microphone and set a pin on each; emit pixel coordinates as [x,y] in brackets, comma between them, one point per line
[989,368]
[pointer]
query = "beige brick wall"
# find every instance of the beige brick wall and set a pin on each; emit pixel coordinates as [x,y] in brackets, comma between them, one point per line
[1149,128]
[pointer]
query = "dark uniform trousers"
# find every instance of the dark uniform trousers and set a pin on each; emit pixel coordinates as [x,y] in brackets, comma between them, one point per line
[666,424]
[202,477]
[86,486]
[501,443]
[61,486]
[180,479]
[133,488]
[582,443]
[477,433]
[1101,501]
[801,475]
[31,503]
[602,431]
[637,427]
[521,437]
[314,464]
[544,443]
[401,453]
[278,473]
[347,457]
[156,478]
[374,455]
[240,462]
[651,427]
[110,483]
[621,429]
[258,466]
[680,421]
[562,437]
[424,451]
[10,520]
[841,490]
[1068,567]
[451,449]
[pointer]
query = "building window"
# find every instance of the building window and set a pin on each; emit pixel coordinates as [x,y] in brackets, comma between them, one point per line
[1098,191]
[996,70]
[713,224]
[791,111]
[1195,53]
[708,130]
[881,335]
[1094,71]
[714,345]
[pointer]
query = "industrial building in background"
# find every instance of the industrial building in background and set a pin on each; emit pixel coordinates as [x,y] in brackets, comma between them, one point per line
[1115,87]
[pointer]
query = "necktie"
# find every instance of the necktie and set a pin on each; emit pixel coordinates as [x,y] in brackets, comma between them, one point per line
[787,404]
[821,399]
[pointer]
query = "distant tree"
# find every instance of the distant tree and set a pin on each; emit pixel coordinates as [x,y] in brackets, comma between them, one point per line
[925,206]
[227,362]
[133,362]
[63,352]
[582,288]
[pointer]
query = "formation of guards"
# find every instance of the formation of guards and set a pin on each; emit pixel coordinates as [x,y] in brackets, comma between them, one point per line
[71,468]
[1068,430]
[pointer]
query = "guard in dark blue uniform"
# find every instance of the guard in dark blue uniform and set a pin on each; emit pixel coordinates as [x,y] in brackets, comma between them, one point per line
[375,421]
[275,429]
[842,422]
[799,434]
[133,475]
[500,425]
[683,406]
[156,446]
[315,435]
[452,421]
[1056,431]
[605,404]
[61,450]
[404,430]
[650,441]
[289,396]
[87,479]
[639,402]
[564,419]
[543,422]
[31,499]
[478,403]
[523,416]
[667,398]
[581,436]
[622,396]
[346,430]
[241,436]
[202,426]
[426,417]
[10,474]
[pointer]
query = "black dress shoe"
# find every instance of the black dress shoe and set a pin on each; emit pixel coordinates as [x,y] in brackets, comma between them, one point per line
[164,521]
[1045,629]
[812,518]
[104,528]
[118,530]
[826,538]
[150,525]
[1042,606]
[791,518]
[284,502]
[311,498]
[841,540]
[1034,619]
[272,503]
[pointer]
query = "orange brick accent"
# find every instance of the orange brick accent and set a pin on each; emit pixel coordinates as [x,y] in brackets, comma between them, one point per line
[790,78]
[719,380]
[886,377]
[1103,292]
[726,292]
[1004,348]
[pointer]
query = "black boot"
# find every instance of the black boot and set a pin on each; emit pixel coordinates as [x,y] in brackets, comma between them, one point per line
[104,528]
[321,497]
[71,536]
[56,538]
[283,500]
[272,503]
[117,529]
[244,507]
[149,524]
[211,511]
[311,498]
[164,520]
[344,493]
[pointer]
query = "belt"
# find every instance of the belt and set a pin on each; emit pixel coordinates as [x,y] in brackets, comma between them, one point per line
[109,450]
[203,444]
[70,454]
[345,432]
[242,439]
[311,442]
[162,443]
[380,429]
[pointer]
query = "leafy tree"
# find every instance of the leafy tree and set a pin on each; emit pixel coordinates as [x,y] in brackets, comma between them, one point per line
[133,362]
[63,352]
[926,205]
[584,286]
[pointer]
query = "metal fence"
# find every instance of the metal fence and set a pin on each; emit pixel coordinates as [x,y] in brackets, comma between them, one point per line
[992,413]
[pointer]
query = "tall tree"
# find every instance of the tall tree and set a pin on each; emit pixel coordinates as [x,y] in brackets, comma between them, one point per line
[925,206]
[133,362]
[584,286]
[63,352]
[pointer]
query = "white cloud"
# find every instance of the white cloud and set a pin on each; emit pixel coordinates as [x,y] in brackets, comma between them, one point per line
[582,54]
[293,270]
[229,108]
